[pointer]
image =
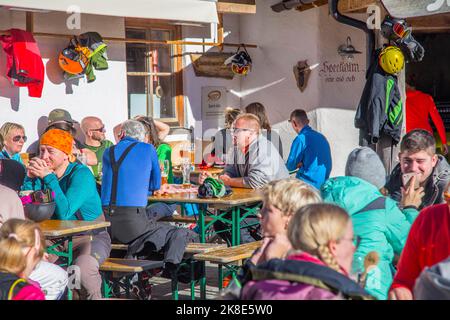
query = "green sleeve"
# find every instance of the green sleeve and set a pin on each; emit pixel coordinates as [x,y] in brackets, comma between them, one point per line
[397,224]
[164,152]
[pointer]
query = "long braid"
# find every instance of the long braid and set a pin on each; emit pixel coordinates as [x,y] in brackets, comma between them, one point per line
[326,256]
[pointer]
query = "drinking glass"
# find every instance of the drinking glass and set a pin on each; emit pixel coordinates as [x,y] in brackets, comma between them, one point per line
[164,166]
[186,171]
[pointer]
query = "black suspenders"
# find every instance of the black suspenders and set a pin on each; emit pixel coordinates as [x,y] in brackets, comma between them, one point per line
[115,170]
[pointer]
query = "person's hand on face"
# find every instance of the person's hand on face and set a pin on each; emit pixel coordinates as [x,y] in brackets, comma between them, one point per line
[278,247]
[421,163]
[258,256]
[411,197]
[38,168]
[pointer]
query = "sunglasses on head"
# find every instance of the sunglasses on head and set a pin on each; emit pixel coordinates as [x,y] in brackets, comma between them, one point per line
[17,138]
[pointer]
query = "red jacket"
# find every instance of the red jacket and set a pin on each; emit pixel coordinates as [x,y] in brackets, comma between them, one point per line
[428,243]
[24,62]
[419,107]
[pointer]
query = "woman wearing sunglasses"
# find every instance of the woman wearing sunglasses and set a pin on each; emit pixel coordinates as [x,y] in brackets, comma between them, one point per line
[318,267]
[12,139]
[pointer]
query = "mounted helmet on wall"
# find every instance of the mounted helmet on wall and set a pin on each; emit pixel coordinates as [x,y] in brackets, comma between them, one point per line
[395,29]
[241,62]
[391,60]
[74,59]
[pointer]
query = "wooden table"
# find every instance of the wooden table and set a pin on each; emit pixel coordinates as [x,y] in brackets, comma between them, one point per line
[64,230]
[212,170]
[237,202]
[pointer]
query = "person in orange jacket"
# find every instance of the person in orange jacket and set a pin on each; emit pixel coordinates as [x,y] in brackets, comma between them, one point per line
[428,243]
[419,108]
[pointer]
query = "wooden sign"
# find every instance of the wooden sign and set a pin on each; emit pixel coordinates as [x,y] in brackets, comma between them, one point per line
[418,8]
[211,64]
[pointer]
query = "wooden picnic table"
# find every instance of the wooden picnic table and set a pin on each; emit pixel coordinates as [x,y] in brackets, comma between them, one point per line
[64,228]
[238,201]
[240,196]
[212,170]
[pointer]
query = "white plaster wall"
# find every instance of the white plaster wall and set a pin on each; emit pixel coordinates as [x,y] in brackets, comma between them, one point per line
[193,84]
[285,38]
[106,97]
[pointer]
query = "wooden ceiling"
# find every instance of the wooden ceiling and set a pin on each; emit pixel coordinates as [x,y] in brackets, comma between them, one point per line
[435,23]
[236,6]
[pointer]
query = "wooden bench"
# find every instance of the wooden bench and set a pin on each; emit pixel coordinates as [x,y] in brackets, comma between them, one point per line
[117,274]
[183,219]
[191,248]
[229,257]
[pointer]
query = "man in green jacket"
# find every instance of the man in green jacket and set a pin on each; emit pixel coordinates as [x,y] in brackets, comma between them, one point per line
[95,140]
[377,220]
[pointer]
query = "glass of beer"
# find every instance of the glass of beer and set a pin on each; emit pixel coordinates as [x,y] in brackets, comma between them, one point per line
[164,166]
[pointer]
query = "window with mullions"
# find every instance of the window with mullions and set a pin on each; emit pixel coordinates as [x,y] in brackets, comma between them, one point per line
[151,75]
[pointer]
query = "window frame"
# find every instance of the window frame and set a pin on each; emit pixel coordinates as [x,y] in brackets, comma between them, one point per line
[177,61]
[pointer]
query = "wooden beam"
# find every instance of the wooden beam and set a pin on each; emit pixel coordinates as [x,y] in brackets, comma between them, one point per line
[355,6]
[220,31]
[236,6]
[29,22]
[128,40]
[437,23]
[313,5]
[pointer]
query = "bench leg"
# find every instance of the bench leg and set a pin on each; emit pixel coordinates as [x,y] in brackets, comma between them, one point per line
[203,281]
[106,289]
[220,285]
[174,284]
[192,263]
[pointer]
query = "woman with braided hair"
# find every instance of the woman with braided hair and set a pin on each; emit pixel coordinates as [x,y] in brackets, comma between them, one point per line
[318,266]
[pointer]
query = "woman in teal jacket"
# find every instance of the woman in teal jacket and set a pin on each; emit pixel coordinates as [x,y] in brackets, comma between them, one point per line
[377,220]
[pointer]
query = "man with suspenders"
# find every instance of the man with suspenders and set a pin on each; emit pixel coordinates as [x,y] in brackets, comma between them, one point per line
[130,174]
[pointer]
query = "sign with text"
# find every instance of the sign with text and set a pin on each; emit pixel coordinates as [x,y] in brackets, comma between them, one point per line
[214,102]
[415,8]
[339,72]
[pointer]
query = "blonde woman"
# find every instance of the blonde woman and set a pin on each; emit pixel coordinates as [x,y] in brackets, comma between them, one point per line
[21,249]
[317,269]
[281,199]
[12,139]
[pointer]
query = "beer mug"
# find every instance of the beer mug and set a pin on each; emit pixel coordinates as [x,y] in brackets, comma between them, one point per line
[164,166]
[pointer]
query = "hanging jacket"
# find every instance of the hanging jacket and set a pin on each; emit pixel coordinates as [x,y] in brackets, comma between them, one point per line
[380,108]
[24,62]
[420,107]
[434,187]
[97,57]
[382,226]
[300,277]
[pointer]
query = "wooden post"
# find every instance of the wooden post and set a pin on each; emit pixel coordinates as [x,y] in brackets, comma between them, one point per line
[30,22]
[220,32]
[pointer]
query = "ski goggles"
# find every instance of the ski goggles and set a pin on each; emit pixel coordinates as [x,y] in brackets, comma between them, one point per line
[401,30]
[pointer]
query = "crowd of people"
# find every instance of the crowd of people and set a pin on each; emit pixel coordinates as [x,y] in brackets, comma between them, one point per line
[366,235]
